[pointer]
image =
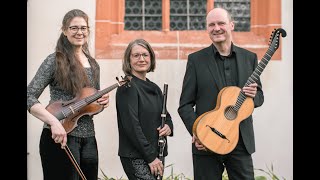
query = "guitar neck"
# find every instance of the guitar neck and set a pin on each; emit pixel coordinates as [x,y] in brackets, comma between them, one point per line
[261,66]
[254,76]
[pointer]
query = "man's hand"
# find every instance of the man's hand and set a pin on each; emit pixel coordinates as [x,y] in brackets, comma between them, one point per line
[198,144]
[250,90]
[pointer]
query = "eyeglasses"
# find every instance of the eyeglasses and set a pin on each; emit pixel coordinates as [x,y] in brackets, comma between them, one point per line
[75,29]
[137,56]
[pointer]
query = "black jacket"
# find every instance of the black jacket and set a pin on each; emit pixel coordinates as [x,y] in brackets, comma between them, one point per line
[139,115]
[202,83]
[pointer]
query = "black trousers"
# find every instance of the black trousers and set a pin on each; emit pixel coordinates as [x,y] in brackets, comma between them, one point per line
[238,164]
[56,163]
[136,169]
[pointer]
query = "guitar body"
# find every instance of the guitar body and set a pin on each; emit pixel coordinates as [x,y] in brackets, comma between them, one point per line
[70,122]
[218,129]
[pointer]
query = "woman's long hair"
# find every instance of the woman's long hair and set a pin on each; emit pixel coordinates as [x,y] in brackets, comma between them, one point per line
[69,73]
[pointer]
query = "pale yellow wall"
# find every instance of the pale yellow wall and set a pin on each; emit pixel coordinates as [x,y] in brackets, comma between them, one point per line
[273,121]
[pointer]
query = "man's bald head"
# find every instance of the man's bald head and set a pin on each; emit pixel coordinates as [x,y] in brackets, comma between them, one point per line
[221,12]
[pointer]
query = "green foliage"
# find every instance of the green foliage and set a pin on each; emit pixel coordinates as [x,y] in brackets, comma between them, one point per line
[105,177]
[173,176]
[270,174]
[225,175]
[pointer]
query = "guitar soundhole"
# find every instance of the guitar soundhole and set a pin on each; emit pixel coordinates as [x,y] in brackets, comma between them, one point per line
[230,113]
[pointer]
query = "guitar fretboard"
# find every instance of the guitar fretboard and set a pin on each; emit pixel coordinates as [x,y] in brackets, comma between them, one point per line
[255,75]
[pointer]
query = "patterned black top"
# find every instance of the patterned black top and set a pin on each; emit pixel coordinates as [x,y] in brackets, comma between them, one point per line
[43,78]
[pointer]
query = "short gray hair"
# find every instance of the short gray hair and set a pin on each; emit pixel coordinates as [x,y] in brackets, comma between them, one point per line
[126,67]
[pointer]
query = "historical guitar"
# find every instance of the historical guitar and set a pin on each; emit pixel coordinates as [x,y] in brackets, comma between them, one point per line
[218,129]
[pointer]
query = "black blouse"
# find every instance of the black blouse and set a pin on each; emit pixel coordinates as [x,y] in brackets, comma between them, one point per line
[139,115]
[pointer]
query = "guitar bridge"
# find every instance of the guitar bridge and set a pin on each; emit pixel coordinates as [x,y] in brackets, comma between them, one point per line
[218,133]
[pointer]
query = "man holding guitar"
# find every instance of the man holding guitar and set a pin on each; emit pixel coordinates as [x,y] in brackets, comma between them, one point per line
[208,71]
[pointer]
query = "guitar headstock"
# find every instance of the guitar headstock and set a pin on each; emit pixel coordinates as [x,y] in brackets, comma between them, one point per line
[274,39]
[124,80]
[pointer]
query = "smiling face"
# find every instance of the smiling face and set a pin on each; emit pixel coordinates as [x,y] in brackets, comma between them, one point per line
[219,26]
[77,32]
[140,61]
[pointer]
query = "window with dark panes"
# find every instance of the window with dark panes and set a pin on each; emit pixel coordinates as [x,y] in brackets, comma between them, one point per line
[184,14]
[240,11]
[143,15]
[188,14]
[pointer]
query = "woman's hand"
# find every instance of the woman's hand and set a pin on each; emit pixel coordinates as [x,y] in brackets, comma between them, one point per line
[104,100]
[59,135]
[156,167]
[165,131]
